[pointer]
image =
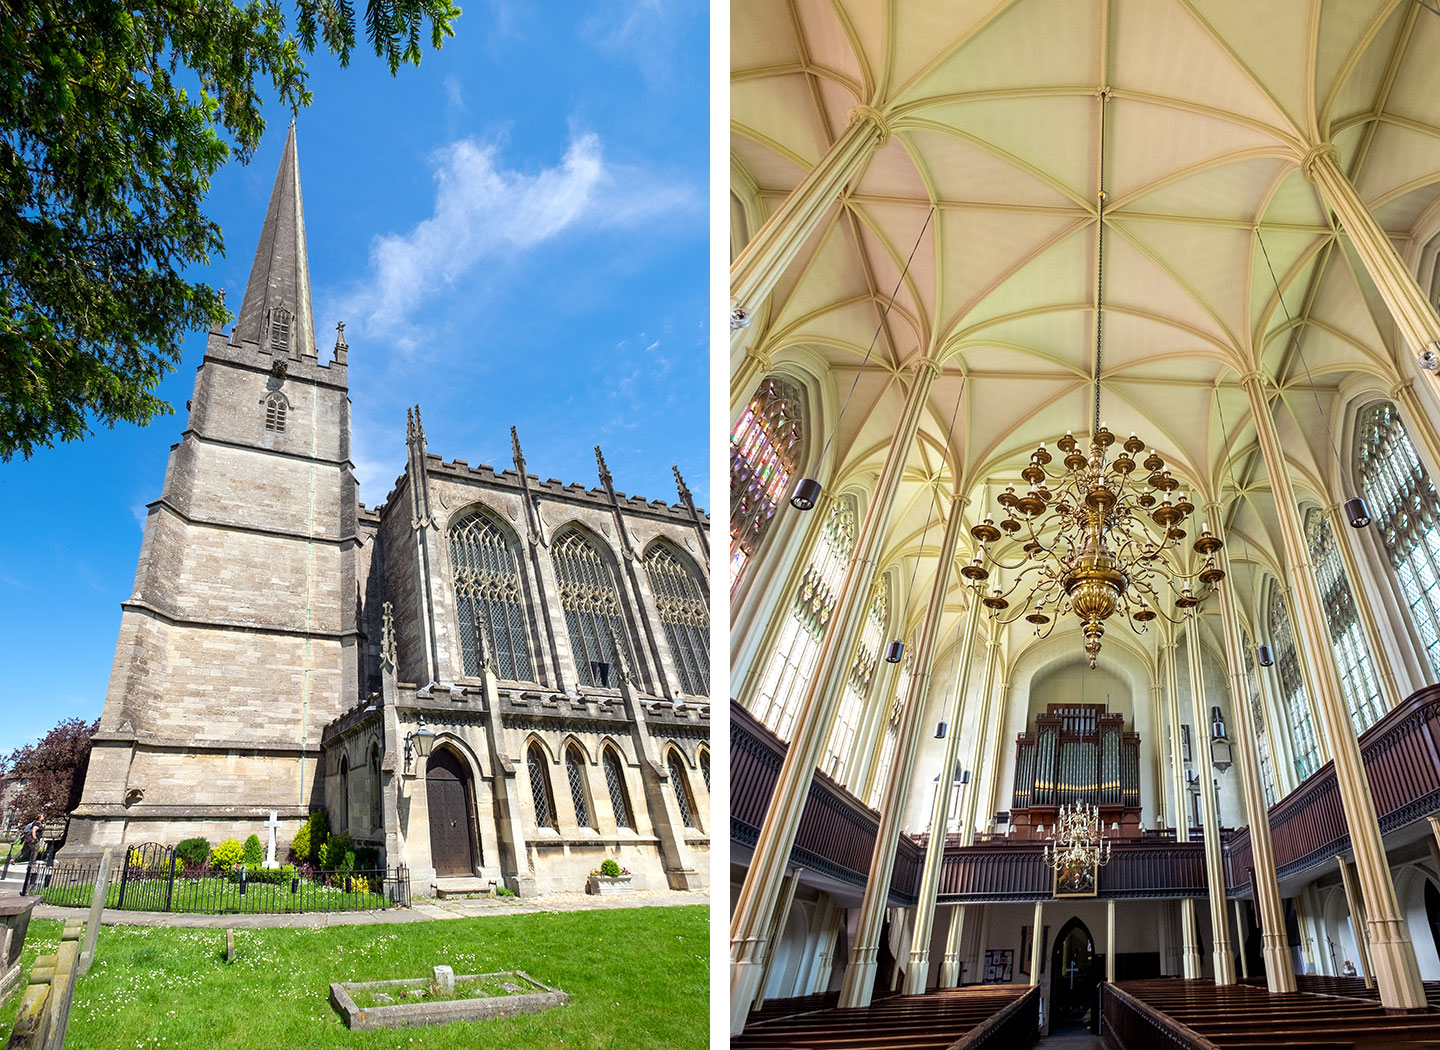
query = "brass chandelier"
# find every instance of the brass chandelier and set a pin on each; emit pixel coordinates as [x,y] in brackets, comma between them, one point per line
[1078,843]
[1098,538]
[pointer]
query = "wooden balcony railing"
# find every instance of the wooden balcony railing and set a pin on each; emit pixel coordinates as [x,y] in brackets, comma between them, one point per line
[1401,753]
[1016,871]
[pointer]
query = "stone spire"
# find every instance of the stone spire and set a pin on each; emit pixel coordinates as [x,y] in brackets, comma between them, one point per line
[276,310]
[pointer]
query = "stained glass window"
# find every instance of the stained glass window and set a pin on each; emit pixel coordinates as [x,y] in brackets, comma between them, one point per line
[792,663]
[765,449]
[615,781]
[892,727]
[592,608]
[540,787]
[1292,691]
[838,752]
[1406,514]
[488,598]
[678,781]
[1352,655]
[685,614]
[575,773]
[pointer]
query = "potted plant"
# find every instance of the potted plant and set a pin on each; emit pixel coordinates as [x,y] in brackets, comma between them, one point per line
[608,878]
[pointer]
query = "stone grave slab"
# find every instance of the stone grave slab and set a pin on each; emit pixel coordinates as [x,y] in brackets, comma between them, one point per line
[412,1002]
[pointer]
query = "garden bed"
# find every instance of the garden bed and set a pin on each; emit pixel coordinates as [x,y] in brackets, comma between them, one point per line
[207,893]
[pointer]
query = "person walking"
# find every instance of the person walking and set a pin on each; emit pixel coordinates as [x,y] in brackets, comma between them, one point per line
[30,837]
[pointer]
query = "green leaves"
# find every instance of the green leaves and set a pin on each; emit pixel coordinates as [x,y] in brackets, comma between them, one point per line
[113,119]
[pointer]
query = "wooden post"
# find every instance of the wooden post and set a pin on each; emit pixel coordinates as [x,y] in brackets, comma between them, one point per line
[97,908]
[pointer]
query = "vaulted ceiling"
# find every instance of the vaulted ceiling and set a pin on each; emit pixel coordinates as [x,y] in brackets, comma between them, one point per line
[1219,257]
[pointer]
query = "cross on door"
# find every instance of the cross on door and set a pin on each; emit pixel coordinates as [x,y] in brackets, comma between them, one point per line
[1072,970]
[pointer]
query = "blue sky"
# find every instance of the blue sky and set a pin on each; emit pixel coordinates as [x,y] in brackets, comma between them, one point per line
[515,233]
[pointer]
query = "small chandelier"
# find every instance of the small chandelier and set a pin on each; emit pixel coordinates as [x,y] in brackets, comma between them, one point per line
[1078,842]
[1088,545]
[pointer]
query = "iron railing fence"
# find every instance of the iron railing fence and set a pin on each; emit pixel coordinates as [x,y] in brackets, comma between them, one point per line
[142,886]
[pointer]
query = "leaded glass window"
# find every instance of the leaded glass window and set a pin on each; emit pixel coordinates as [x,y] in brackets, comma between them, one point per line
[857,685]
[1292,691]
[280,328]
[592,608]
[488,598]
[792,663]
[685,614]
[765,448]
[540,787]
[1352,655]
[575,773]
[376,797]
[682,790]
[275,414]
[892,727]
[615,782]
[705,768]
[1405,509]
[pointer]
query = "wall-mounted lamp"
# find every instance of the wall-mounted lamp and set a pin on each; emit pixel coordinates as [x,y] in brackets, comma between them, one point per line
[421,742]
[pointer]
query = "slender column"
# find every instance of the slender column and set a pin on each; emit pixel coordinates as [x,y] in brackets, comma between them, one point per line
[761,889]
[1324,752]
[1110,940]
[982,723]
[1240,939]
[1224,963]
[824,915]
[860,975]
[1396,970]
[917,975]
[1357,920]
[980,941]
[777,930]
[1282,746]
[1035,944]
[992,768]
[1157,708]
[1324,964]
[759,266]
[827,949]
[1279,969]
[1177,743]
[1379,651]
[950,968]
[1190,931]
[1407,303]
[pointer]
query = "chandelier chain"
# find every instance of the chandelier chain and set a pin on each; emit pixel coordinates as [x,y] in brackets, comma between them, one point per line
[1100,262]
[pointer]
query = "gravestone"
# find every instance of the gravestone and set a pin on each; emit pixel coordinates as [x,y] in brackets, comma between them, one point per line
[229,945]
[14,922]
[445,980]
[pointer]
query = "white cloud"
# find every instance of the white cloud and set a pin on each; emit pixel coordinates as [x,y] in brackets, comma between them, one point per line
[484,211]
[454,97]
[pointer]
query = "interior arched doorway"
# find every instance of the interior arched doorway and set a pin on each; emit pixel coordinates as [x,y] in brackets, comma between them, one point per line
[450,796]
[1074,976]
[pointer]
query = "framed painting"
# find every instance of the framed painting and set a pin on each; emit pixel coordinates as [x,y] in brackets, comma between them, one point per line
[1077,880]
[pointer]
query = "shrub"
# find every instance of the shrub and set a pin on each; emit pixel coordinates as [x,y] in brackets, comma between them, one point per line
[338,853]
[193,851]
[226,855]
[280,876]
[254,852]
[504,891]
[310,839]
[367,858]
[610,868]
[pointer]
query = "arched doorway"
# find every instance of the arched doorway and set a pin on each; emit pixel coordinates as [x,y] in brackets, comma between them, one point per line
[1074,976]
[452,823]
[1432,913]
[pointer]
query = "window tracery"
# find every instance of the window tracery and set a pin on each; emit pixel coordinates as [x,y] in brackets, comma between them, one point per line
[575,773]
[275,414]
[892,726]
[280,319]
[1258,725]
[488,599]
[678,781]
[539,786]
[765,447]
[615,782]
[792,662]
[1406,513]
[592,608]
[838,752]
[685,614]
[1352,655]
[1292,688]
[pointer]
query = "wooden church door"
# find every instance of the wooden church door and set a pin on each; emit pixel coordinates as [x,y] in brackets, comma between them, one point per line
[446,783]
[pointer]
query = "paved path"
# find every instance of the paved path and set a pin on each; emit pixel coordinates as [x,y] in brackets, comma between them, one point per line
[424,910]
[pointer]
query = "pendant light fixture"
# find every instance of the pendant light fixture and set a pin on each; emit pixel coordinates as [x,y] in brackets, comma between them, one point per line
[807,490]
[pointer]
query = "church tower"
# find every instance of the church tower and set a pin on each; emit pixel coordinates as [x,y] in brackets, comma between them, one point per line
[239,641]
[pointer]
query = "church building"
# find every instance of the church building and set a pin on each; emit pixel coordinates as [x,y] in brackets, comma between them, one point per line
[1084,535]
[492,679]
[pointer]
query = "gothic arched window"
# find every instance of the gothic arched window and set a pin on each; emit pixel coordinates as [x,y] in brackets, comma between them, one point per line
[1292,690]
[615,782]
[1352,655]
[764,454]
[857,687]
[280,319]
[592,608]
[377,818]
[792,662]
[575,773]
[540,786]
[705,767]
[275,414]
[487,598]
[685,614]
[1406,513]
[683,800]
[892,726]
[345,791]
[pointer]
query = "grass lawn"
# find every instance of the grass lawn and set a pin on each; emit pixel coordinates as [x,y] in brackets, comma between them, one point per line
[637,977]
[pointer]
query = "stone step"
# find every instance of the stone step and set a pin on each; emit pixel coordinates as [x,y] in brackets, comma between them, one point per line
[460,887]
